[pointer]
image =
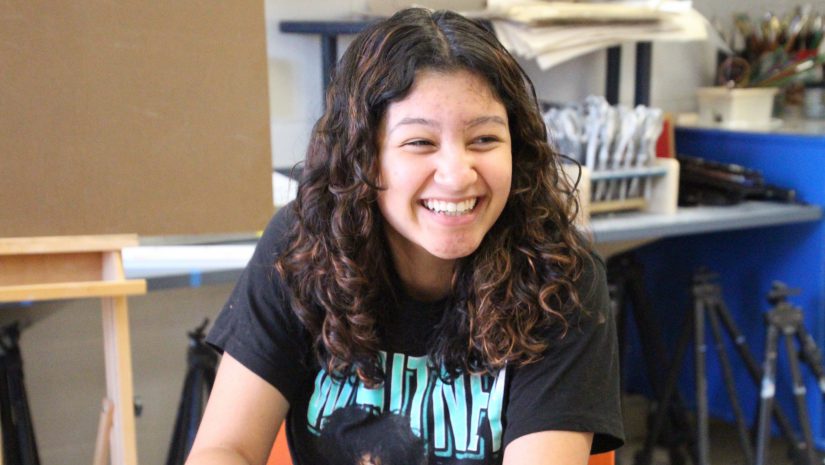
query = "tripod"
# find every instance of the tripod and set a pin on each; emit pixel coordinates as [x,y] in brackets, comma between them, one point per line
[627,286]
[788,320]
[708,305]
[19,444]
[202,363]
[707,301]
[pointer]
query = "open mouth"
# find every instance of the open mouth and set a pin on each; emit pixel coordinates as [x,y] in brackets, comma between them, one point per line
[443,207]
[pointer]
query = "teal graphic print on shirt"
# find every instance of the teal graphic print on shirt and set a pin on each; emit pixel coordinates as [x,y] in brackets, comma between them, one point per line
[460,418]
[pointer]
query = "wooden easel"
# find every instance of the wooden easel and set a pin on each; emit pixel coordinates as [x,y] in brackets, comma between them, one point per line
[79,267]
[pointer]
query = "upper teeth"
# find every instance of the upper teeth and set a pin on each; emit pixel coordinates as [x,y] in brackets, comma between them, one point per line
[451,207]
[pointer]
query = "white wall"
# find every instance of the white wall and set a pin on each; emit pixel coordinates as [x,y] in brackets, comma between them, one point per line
[295,69]
[295,88]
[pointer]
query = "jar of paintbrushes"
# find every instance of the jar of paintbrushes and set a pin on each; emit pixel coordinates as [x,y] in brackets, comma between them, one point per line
[781,52]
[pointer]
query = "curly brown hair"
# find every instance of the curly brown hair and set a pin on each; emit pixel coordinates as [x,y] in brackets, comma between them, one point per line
[519,282]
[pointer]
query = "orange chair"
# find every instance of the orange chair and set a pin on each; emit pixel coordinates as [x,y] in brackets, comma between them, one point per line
[608,458]
[280,453]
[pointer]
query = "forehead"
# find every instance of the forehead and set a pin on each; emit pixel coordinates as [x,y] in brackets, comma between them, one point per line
[428,78]
[451,93]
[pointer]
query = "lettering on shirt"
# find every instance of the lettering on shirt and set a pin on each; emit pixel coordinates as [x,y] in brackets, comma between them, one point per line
[459,417]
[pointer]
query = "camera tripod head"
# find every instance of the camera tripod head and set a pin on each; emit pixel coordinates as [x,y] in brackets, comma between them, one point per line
[704,275]
[197,335]
[780,292]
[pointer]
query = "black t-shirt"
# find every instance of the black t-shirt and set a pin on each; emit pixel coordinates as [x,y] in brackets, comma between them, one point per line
[417,416]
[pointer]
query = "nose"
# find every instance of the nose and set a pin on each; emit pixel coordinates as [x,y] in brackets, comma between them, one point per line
[455,169]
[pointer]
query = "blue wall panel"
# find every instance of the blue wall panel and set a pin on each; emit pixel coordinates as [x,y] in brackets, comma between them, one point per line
[748,261]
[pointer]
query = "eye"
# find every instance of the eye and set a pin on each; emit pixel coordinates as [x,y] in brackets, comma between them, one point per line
[419,143]
[485,142]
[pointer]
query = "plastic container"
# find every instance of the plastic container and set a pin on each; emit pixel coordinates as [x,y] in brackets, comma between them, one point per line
[736,107]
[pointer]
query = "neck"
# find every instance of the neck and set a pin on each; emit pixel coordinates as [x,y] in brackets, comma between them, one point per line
[424,279]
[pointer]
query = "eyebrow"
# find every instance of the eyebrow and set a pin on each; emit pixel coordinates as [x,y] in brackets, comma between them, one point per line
[487,119]
[422,121]
[473,122]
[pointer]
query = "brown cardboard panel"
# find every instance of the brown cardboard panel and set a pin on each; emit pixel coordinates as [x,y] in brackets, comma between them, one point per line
[133,117]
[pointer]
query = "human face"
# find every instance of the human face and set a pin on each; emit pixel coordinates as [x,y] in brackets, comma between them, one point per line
[446,165]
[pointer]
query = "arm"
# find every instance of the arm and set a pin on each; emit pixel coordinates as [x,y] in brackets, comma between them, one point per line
[549,447]
[242,418]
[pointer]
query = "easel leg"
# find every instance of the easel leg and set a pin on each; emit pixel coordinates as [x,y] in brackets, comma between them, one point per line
[117,349]
[104,431]
[119,379]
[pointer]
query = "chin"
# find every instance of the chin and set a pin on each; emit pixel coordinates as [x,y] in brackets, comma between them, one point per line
[455,251]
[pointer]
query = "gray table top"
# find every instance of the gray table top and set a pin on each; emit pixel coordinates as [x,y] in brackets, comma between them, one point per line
[697,220]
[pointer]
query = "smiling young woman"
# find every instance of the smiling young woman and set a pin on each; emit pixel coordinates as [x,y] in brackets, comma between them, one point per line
[426,298]
[445,168]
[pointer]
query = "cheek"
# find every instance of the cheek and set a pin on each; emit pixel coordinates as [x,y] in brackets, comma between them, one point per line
[502,177]
[402,181]
[388,205]
[389,186]
[393,196]
[389,174]
[507,177]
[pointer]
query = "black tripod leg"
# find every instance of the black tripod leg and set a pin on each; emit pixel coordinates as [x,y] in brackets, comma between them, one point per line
[617,303]
[19,421]
[656,350]
[196,405]
[755,372]
[730,384]
[11,450]
[201,365]
[700,352]
[766,394]
[20,407]
[799,396]
[655,356]
[176,454]
[812,355]
[645,456]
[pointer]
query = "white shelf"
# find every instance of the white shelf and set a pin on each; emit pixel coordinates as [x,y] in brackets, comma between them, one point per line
[176,266]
